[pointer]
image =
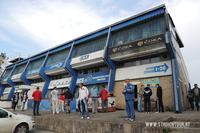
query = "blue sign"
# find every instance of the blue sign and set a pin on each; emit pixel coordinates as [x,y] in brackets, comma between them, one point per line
[94,78]
[54,66]
[155,69]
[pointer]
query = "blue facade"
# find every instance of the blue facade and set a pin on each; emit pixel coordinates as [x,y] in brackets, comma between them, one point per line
[151,23]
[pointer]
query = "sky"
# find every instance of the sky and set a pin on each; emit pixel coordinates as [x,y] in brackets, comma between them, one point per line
[28,27]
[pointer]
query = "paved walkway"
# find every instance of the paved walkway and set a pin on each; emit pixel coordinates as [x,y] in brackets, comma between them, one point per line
[113,122]
[189,116]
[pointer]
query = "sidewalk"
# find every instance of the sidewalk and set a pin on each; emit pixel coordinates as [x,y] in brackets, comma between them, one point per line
[113,121]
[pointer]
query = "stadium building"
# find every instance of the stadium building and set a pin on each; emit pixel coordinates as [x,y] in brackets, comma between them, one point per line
[144,48]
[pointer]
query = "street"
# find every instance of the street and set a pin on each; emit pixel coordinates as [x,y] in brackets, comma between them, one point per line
[41,131]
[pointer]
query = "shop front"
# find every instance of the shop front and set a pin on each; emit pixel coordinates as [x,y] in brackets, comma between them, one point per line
[154,73]
[96,80]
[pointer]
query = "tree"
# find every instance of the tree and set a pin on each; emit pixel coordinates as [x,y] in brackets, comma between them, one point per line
[3,62]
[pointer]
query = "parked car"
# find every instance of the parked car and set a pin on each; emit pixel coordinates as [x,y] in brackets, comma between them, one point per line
[15,123]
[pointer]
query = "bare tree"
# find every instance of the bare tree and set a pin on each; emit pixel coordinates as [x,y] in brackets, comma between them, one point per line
[3,62]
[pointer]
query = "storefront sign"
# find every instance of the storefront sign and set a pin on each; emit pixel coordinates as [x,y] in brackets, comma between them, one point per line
[154,69]
[144,71]
[84,57]
[92,56]
[60,83]
[137,44]
[100,77]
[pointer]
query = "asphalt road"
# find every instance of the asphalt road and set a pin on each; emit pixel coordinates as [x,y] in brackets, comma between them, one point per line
[41,131]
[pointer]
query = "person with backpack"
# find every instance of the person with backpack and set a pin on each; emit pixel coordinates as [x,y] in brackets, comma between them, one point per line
[196,91]
[190,97]
[147,98]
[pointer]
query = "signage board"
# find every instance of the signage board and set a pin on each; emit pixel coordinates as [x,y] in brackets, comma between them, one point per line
[137,44]
[144,71]
[88,57]
[60,83]
[94,78]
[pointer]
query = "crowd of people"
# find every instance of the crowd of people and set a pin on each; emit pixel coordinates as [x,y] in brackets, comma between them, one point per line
[19,98]
[62,99]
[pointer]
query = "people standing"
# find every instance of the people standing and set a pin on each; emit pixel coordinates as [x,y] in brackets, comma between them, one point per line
[104,98]
[129,94]
[83,98]
[159,98]
[62,101]
[94,95]
[190,97]
[68,99]
[196,91]
[147,98]
[37,97]
[15,100]
[54,100]
[24,100]
[140,96]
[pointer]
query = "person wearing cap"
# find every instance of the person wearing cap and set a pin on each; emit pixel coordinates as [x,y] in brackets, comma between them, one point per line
[37,97]
[128,92]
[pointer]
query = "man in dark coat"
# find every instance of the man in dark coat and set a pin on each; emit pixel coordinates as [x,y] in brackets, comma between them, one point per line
[159,98]
[147,98]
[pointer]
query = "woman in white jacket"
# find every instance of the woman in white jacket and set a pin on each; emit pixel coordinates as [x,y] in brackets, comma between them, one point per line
[83,98]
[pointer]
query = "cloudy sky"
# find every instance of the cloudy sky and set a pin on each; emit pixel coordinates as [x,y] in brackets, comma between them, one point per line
[31,26]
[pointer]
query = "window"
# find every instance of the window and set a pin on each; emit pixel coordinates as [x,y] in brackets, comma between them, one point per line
[6,74]
[89,47]
[35,65]
[146,29]
[57,57]
[3,114]
[19,69]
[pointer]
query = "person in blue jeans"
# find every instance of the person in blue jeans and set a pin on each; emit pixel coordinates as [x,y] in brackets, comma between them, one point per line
[129,99]
[94,94]
[83,98]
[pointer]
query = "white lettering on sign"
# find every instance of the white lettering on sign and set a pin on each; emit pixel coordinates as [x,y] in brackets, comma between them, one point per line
[144,71]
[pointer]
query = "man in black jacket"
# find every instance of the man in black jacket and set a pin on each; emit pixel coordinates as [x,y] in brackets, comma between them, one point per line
[159,98]
[147,98]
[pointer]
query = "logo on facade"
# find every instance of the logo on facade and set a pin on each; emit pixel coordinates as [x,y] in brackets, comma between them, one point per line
[155,69]
[84,57]
[137,44]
